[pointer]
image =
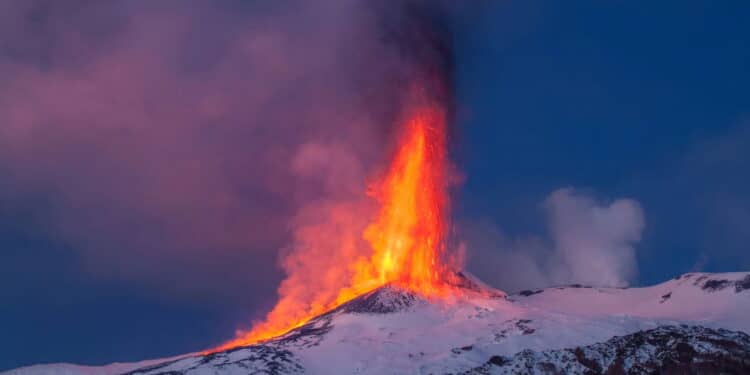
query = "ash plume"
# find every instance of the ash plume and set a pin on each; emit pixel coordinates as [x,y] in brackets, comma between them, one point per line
[191,147]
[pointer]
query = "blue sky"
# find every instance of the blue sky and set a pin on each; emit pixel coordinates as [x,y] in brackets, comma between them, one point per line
[616,100]
[621,99]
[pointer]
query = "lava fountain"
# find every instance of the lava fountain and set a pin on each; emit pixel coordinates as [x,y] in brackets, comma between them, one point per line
[407,236]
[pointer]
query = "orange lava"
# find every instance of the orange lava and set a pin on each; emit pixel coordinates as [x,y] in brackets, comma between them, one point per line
[407,236]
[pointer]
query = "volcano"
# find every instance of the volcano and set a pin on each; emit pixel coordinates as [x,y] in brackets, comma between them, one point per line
[697,323]
[396,307]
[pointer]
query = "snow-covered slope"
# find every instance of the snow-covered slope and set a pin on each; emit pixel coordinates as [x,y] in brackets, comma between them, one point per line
[572,329]
[663,350]
[71,369]
[716,300]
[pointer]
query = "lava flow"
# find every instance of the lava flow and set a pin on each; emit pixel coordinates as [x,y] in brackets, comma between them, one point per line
[407,237]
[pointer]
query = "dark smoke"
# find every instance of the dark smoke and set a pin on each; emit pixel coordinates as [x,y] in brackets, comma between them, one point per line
[421,34]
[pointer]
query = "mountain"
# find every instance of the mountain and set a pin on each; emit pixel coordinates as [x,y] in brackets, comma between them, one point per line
[696,323]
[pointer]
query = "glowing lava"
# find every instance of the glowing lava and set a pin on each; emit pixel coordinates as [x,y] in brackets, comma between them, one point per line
[407,237]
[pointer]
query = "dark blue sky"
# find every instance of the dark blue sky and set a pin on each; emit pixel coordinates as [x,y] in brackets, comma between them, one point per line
[620,98]
[616,99]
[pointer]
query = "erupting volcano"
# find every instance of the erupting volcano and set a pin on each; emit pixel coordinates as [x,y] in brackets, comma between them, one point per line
[407,236]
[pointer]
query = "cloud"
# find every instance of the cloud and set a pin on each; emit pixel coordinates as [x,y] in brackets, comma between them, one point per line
[588,242]
[594,243]
[180,145]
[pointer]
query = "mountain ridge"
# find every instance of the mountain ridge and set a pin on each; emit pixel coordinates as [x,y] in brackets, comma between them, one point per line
[391,330]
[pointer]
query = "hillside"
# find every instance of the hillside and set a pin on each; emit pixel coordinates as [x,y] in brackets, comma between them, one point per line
[696,321]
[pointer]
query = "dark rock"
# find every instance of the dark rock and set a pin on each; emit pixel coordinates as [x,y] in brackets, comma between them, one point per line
[699,279]
[384,300]
[715,285]
[308,335]
[523,326]
[265,359]
[743,284]
[497,360]
[665,297]
[526,293]
[664,350]
[590,364]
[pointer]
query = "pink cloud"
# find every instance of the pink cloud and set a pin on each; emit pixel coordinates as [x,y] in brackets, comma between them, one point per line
[180,153]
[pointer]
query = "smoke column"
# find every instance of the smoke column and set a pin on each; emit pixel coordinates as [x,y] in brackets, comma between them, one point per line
[404,227]
[187,148]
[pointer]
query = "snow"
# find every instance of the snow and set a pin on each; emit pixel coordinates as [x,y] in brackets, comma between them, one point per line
[667,349]
[72,369]
[392,332]
[688,301]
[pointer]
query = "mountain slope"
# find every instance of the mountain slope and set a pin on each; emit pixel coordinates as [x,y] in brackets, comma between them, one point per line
[668,349]
[697,316]
[715,300]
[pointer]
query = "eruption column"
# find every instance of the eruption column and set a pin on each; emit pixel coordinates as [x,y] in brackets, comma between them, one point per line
[407,235]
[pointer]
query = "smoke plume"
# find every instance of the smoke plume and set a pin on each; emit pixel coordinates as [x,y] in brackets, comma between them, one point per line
[594,244]
[588,242]
[188,145]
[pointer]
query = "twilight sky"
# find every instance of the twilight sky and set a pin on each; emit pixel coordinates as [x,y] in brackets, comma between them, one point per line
[158,158]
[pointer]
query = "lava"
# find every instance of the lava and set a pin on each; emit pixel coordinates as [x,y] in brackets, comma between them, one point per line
[407,236]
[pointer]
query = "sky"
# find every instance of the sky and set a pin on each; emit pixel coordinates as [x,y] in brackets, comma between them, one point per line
[158,159]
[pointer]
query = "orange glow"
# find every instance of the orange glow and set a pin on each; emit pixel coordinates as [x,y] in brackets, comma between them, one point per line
[406,239]
[408,235]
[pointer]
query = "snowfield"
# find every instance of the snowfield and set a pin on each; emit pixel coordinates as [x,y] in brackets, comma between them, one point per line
[696,322]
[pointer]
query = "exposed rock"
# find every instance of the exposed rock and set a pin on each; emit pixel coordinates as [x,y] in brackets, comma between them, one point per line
[526,293]
[664,350]
[743,284]
[716,285]
[665,297]
[384,300]
[257,359]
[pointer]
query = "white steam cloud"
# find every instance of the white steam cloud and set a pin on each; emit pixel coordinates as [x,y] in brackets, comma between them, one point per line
[589,242]
[594,243]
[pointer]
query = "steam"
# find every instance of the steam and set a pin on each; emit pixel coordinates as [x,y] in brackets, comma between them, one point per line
[594,243]
[590,242]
